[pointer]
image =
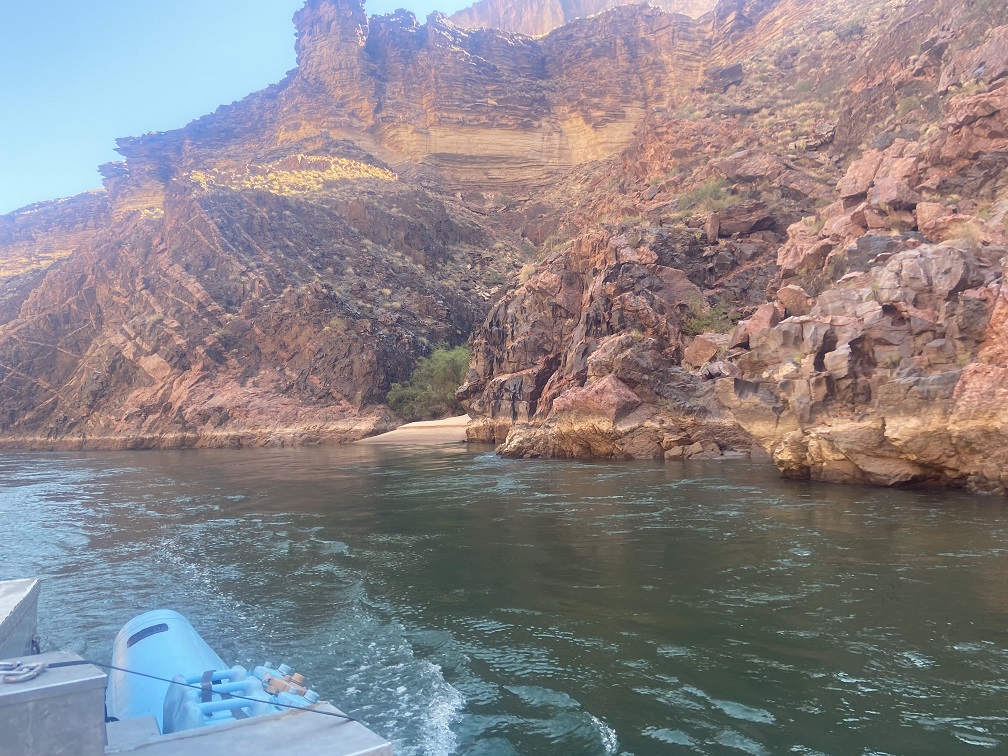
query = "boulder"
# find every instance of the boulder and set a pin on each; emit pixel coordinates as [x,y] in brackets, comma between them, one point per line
[892,194]
[704,449]
[795,300]
[928,214]
[860,175]
[752,166]
[894,220]
[704,348]
[961,227]
[744,218]
[843,227]
[720,78]
[720,369]
[712,228]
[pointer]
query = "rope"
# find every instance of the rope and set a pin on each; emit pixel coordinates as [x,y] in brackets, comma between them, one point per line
[77,663]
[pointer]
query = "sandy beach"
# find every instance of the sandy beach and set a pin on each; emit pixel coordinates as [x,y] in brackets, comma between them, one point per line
[448,431]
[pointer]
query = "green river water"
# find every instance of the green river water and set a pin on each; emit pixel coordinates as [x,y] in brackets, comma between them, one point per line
[460,603]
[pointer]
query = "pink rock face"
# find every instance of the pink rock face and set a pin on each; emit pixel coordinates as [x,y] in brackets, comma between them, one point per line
[907,385]
[701,351]
[608,398]
[744,218]
[965,154]
[845,226]
[892,194]
[795,300]
[573,388]
[989,62]
[860,175]
[928,214]
[766,316]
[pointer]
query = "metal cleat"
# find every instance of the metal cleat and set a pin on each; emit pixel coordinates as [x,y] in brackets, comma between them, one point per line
[15,672]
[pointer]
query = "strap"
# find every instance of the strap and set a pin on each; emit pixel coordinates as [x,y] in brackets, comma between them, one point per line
[206,686]
[236,713]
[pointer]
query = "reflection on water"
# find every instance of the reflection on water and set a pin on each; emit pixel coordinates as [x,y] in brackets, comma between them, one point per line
[462,603]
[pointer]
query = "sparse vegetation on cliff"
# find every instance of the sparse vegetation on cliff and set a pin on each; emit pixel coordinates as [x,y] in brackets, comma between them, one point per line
[707,197]
[718,318]
[299,174]
[429,394]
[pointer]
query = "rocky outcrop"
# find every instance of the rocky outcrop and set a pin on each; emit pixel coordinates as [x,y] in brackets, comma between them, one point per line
[987,63]
[906,188]
[598,373]
[888,379]
[875,358]
[887,376]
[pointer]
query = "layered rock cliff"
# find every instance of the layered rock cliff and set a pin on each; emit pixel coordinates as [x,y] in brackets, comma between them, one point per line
[535,18]
[777,227]
[265,273]
[869,296]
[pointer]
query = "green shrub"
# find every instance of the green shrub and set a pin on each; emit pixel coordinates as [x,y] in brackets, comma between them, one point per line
[718,318]
[906,105]
[707,197]
[429,394]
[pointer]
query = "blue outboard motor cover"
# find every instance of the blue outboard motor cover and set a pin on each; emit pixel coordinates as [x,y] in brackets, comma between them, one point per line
[160,643]
[196,688]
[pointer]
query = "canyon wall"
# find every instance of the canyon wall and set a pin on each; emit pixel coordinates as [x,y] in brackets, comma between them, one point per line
[777,228]
[833,305]
[264,274]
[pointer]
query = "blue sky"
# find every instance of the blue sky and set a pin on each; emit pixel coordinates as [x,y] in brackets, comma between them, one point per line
[77,74]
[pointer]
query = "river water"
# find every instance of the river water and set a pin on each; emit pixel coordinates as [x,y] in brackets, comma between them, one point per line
[458,602]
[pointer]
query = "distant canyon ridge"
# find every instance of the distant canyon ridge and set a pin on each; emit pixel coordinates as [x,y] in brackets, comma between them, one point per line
[765,227]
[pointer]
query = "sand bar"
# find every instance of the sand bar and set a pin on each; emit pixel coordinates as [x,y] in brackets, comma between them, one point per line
[448,431]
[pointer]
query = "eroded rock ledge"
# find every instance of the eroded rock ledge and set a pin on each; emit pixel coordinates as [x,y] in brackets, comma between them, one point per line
[895,376]
[585,361]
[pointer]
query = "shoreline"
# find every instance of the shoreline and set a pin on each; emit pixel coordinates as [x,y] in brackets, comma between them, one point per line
[451,430]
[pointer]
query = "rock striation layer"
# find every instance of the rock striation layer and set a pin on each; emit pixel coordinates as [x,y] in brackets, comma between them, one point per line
[535,18]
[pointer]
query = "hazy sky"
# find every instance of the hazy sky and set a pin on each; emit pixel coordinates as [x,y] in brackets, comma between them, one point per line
[76,74]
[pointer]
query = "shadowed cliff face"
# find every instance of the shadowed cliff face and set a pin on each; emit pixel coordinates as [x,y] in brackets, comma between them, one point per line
[240,317]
